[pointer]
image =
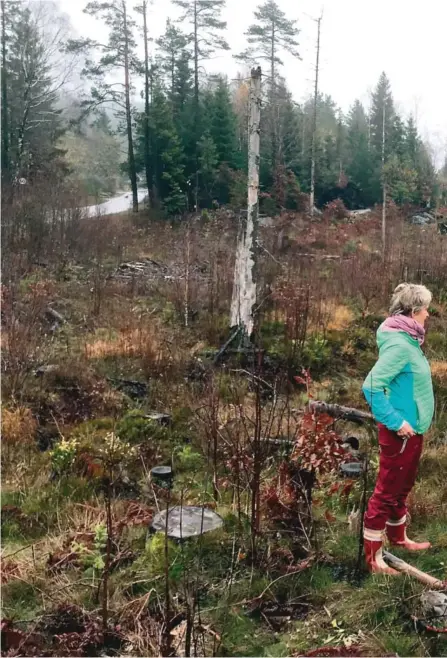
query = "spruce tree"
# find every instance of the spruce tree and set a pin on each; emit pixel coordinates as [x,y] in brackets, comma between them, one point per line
[360,166]
[382,102]
[11,12]
[411,141]
[204,16]
[168,158]
[208,161]
[33,120]
[398,145]
[223,125]
[171,56]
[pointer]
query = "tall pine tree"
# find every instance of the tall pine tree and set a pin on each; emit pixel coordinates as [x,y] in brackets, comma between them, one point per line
[204,16]
[117,54]
[271,34]
[382,104]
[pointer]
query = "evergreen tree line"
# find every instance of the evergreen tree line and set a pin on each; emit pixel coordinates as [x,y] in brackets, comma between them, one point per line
[187,137]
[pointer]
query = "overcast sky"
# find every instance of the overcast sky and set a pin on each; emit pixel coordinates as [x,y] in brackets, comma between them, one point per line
[359,39]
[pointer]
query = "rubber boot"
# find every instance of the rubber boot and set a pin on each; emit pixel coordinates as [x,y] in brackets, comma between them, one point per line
[373,543]
[397,534]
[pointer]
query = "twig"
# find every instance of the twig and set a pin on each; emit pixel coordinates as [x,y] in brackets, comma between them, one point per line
[6,557]
[304,564]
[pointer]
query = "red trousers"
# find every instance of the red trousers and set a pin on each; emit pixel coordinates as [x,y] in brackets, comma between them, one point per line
[398,465]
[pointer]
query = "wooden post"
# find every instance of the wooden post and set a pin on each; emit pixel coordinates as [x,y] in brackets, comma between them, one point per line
[244,286]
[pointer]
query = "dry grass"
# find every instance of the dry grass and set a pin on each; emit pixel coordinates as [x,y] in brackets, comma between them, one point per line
[128,343]
[18,426]
[439,370]
[339,316]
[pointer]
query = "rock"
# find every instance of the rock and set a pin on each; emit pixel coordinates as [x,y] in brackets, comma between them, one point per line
[266,221]
[44,370]
[422,219]
[351,469]
[133,389]
[434,604]
[160,418]
[359,213]
[187,521]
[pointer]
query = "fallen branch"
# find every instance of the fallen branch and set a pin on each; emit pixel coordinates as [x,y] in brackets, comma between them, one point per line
[23,548]
[340,412]
[404,567]
[319,256]
[227,344]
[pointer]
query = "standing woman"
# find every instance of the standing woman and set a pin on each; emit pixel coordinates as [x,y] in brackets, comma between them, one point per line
[400,393]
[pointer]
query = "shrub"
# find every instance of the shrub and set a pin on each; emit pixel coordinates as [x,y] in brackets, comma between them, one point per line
[135,428]
[335,210]
[63,456]
[316,351]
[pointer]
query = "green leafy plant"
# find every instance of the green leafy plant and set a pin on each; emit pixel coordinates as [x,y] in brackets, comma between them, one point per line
[187,460]
[94,557]
[316,351]
[63,455]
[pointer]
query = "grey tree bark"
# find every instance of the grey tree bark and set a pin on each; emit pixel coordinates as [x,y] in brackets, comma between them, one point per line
[244,286]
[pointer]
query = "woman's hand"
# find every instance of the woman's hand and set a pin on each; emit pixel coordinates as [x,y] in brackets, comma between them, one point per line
[406,430]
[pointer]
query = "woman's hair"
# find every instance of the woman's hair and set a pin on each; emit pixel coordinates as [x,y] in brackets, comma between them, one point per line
[408,298]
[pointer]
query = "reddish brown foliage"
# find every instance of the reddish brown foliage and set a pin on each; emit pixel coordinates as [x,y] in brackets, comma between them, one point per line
[341,652]
[317,447]
[335,210]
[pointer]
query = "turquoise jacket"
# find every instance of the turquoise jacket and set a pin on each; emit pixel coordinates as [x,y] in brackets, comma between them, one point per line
[399,387]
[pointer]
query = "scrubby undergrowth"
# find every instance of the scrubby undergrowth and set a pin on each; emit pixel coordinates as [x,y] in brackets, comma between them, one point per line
[144,312]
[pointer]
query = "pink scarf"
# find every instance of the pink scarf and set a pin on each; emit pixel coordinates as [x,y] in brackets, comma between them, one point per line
[404,323]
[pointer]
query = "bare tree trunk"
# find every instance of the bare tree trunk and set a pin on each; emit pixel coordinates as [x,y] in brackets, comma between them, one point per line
[147,154]
[244,287]
[187,268]
[383,186]
[5,128]
[272,103]
[105,590]
[314,126]
[196,107]
[131,157]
